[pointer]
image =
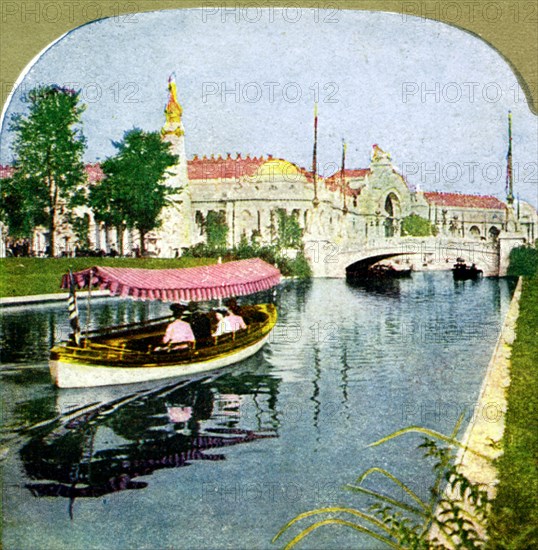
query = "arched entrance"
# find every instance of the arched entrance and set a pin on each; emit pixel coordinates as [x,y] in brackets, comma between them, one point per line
[392,211]
[474,231]
[493,233]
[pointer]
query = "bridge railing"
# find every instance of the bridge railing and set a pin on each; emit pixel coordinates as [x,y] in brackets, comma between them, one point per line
[436,248]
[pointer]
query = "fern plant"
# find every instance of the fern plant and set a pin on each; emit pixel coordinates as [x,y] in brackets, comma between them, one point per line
[456,511]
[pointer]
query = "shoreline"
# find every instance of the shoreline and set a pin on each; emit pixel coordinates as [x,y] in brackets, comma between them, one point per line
[41,299]
[44,299]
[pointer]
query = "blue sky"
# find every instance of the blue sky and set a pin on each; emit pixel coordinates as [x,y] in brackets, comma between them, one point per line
[433,96]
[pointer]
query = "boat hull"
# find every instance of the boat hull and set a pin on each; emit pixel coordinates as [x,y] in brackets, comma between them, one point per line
[467,274]
[67,374]
[137,354]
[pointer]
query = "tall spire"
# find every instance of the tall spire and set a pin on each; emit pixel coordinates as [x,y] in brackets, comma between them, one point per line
[173,110]
[509,174]
[174,133]
[315,202]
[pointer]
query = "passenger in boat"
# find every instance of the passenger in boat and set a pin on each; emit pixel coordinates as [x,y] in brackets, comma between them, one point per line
[179,332]
[235,318]
[228,322]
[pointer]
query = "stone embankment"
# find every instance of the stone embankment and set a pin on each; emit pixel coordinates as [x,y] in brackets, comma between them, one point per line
[486,429]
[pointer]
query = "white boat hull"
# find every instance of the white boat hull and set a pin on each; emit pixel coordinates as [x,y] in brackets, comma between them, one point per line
[76,375]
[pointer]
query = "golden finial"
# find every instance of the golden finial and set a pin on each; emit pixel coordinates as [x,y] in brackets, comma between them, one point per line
[173,109]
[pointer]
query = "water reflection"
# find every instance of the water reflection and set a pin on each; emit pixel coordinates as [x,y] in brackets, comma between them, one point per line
[382,286]
[100,447]
[267,439]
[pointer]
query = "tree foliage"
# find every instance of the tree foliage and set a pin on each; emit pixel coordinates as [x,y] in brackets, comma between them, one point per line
[290,233]
[216,230]
[48,168]
[81,228]
[133,192]
[523,261]
[417,226]
[17,209]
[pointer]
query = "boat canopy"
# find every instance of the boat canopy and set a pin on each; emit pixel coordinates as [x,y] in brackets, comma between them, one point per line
[210,282]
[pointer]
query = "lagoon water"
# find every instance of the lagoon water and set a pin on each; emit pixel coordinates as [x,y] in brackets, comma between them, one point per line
[226,460]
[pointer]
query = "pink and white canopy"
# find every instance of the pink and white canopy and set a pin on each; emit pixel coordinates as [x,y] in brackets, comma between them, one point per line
[173,285]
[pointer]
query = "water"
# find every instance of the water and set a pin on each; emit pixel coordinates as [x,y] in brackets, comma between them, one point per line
[224,461]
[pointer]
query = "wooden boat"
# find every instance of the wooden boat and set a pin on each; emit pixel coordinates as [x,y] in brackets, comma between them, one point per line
[381,271]
[389,271]
[463,272]
[134,353]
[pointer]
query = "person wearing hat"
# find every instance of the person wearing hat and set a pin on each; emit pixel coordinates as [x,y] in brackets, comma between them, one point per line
[178,331]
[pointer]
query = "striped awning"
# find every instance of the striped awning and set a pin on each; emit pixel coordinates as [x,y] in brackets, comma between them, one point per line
[174,285]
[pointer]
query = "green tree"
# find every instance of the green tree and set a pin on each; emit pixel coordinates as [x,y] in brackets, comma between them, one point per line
[81,228]
[417,226]
[109,206]
[49,172]
[17,209]
[290,233]
[216,229]
[133,190]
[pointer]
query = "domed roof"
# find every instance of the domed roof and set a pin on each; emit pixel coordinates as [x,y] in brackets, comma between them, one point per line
[279,168]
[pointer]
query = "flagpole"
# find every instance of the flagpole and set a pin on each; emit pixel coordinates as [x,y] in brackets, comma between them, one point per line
[73,309]
[315,202]
[343,175]
[509,174]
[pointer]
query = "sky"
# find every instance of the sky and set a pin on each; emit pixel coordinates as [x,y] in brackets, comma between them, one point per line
[433,96]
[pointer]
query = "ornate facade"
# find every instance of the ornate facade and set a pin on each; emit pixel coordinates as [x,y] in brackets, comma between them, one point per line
[352,204]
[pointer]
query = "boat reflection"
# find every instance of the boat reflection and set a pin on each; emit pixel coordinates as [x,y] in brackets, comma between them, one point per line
[381,286]
[102,445]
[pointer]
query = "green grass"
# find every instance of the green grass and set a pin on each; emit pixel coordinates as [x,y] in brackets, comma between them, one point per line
[514,518]
[27,276]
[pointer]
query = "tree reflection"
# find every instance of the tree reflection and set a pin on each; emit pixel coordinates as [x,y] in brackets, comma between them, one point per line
[25,337]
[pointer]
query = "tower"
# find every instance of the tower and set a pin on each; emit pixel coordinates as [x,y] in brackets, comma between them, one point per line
[173,132]
[176,230]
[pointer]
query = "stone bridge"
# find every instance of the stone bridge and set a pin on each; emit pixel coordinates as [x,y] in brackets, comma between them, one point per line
[332,259]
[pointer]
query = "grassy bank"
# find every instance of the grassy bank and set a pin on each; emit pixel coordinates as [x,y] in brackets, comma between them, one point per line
[27,276]
[514,518]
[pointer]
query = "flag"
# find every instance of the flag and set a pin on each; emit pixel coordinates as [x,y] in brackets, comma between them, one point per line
[73,310]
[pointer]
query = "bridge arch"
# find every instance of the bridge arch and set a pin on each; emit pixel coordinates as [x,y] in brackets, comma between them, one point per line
[361,266]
